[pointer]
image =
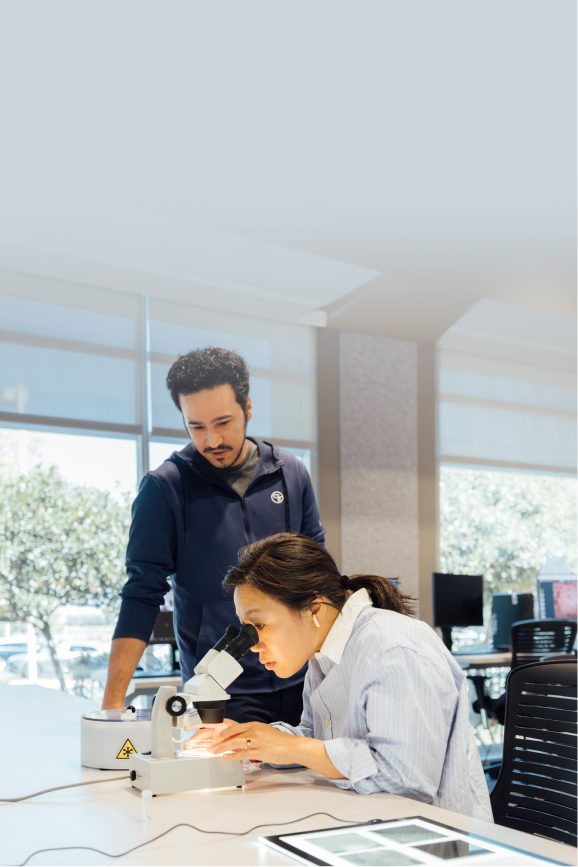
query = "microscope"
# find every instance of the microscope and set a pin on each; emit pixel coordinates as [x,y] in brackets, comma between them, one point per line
[203,701]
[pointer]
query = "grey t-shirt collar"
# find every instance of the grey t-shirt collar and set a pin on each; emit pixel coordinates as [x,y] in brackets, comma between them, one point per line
[240,476]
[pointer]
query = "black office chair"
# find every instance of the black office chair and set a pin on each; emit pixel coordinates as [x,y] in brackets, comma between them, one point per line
[536,790]
[531,639]
[164,633]
[494,708]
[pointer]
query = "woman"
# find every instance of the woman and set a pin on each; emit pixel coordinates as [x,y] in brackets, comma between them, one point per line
[385,706]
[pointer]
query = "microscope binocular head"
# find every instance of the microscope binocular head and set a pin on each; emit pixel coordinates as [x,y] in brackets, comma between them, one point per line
[217,669]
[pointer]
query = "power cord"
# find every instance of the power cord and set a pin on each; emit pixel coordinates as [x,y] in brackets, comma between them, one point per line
[185,825]
[57,788]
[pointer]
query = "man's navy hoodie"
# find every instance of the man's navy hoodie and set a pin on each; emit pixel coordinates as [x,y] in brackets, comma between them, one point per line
[190,525]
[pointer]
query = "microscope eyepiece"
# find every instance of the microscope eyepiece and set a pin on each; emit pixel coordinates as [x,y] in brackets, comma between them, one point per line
[247,637]
[231,632]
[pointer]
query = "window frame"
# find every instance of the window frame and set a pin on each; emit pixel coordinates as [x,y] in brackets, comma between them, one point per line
[143,432]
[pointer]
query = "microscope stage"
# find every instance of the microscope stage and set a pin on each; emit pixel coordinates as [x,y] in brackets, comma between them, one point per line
[184,774]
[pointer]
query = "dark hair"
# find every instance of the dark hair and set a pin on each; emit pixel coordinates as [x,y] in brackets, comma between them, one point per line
[295,570]
[209,368]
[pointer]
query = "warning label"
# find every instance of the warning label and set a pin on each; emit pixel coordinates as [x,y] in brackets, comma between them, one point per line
[126,750]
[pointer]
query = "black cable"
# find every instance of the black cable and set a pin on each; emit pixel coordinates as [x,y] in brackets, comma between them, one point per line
[57,788]
[185,825]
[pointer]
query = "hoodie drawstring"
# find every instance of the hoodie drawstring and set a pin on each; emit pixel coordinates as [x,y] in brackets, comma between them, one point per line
[286,501]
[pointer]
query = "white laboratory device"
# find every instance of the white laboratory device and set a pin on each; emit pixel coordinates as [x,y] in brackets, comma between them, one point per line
[169,769]
[108,738]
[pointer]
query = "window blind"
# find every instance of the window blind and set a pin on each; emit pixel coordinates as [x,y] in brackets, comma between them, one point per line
[68,352]
[281,359]
[75,356]
[505,413]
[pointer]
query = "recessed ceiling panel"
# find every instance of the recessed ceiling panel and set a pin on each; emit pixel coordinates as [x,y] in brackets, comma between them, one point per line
[130,237]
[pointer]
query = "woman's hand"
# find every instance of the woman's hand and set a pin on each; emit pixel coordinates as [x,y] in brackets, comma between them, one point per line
[206,736]
[256,741]
[262,743]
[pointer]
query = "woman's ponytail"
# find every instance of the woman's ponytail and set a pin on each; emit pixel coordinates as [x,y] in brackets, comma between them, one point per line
[384,593]
[296,571]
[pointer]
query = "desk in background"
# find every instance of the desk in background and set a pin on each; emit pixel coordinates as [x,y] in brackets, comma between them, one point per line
[484,660]
[40,734]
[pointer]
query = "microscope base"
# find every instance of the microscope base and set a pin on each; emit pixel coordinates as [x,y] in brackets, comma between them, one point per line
[183,774]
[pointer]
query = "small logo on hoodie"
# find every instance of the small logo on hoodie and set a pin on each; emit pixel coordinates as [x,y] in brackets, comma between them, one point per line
[277,497]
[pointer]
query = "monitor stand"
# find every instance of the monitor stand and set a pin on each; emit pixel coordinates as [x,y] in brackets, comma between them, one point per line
[447,637]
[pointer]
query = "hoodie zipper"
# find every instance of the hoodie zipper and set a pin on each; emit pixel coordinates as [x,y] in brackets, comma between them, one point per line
[245,521]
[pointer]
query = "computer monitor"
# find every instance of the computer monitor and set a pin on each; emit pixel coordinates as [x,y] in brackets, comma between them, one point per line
[508,608]
[457,601]
[557,595]
[163,630]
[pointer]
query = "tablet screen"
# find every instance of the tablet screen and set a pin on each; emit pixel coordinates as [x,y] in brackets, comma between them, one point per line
[398,843]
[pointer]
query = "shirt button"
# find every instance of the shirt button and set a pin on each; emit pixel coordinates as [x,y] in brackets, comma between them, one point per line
[326,721]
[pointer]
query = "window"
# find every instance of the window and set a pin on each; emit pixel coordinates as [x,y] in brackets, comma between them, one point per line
[107,463]
[506,413]
[507,449]
[281,360]
[510,527]
[160,451]
[84,412]
[64,516]
[73,359]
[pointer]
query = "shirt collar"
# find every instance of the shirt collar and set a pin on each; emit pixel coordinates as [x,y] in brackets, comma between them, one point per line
[338,635]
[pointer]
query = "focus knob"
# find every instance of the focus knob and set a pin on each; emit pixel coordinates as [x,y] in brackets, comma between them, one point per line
[176,705]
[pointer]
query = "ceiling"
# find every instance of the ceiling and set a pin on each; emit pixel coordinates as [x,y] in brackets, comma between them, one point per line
[515,333]
[381,167]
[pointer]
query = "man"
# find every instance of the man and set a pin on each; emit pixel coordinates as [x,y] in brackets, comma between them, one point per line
[190,519]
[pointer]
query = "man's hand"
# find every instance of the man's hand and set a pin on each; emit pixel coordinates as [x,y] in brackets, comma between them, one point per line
[125,654]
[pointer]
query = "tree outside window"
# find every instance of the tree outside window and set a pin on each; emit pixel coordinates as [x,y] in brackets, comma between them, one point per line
[62,551]
[508,526]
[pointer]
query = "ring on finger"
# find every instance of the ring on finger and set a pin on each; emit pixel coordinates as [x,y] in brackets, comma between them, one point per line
[248,747]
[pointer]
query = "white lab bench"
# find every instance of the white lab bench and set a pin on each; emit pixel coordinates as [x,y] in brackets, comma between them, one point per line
[40,737]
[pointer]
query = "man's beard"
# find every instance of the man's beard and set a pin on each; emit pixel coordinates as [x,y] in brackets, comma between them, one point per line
[225,448]
[228,448]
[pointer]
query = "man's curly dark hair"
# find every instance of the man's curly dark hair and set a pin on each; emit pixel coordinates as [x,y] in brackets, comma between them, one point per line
[208,368]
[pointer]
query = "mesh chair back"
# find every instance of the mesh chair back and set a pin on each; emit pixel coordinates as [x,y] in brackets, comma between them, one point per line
[536,789]
[531,639]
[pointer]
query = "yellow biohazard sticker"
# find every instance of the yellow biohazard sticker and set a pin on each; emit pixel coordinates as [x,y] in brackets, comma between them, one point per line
[126,750]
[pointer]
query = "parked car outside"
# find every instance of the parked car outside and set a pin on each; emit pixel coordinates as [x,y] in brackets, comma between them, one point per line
[66,651]
[16,644]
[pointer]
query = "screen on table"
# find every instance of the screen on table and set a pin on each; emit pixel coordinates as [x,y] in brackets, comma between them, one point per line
[396,844]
